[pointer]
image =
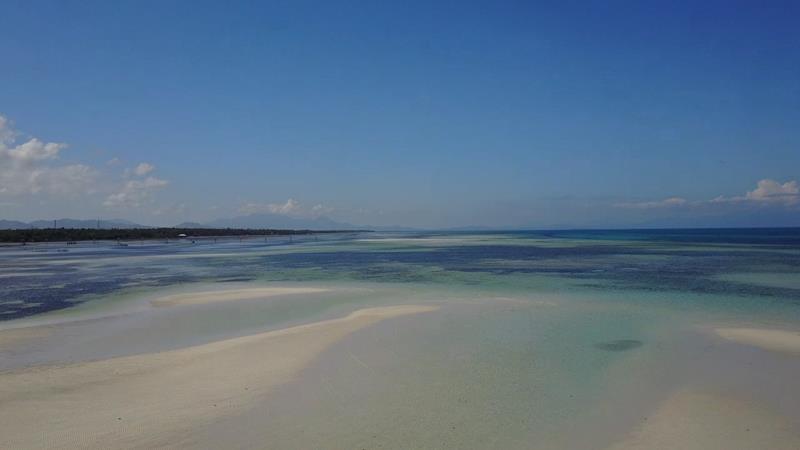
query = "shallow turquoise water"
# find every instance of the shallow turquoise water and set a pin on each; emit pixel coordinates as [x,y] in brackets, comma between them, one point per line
[753,270]
[538,337]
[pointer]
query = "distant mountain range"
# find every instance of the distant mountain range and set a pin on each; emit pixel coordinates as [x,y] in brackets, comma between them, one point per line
[255,221]
[69,223]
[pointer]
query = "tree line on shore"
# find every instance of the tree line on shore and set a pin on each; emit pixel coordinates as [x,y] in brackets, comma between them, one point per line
[93,234]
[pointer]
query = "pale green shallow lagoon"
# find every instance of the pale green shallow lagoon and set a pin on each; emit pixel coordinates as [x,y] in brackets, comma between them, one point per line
[520,355]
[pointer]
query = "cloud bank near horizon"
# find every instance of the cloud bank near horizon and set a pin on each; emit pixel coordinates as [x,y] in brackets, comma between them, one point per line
[767,193]
[32,171]
[291,208]
[32,168]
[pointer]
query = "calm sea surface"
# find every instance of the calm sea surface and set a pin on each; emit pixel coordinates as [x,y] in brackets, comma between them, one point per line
[732,270]
[563,338]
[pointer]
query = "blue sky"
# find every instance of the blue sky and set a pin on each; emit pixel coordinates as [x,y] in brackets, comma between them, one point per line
[527,114]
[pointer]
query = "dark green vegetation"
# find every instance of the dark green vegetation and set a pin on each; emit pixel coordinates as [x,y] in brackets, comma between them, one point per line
[89,234]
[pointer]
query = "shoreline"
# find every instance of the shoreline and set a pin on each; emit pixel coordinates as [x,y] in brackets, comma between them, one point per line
[67,236]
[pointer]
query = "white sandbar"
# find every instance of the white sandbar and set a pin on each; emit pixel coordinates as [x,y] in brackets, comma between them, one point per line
[697,421]
[200,298]
[775,340]
[158,399]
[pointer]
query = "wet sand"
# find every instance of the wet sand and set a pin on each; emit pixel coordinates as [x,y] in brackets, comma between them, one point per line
[159,399]
[690,420]
[783,341]
[12,337]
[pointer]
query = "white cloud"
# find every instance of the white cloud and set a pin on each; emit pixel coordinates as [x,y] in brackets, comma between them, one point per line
[143,169]
[177,209]
[32,167]
[290,208]
[7,133]
[135,193]
[666,203]
[773,191]
[35,150]
[767,192]
[320,209]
